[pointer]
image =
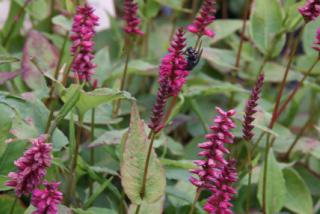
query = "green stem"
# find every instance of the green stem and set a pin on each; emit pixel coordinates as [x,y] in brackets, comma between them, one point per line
[250,175]
[285,78]
[70,184]
[53,106]
[146,166]
[138,209]
[195,200]
[196,108]
[61,55]
[264,208]
[115,113]
[121,201]
[197,42]
[64,81]
[92,149]
[13,205]
[295,90]
[5,41]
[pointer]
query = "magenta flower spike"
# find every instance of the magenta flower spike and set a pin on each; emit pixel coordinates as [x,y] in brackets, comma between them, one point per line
[130,9]
[318,41]
[311,10]
[216,173]
[46,200]
[172,74]
[204,20]
[31,167]
[251,104]
[83,30]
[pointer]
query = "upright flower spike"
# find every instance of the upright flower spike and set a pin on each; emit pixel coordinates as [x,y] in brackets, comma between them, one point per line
[130,9]
[204,20]
[46,200]
[83,30]
[31,167]
[251,104]
[311,10]
[216,173]
[172,74]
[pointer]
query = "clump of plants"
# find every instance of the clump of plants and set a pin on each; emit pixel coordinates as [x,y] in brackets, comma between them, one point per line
[177,107]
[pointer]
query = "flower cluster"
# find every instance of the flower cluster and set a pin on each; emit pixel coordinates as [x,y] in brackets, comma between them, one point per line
[159,106]
[46,200]
[174,64]
[131,18]
[31,167]
[251,104]
[204,20]
[83,30]
[216,173]
[318,41]
[311,10]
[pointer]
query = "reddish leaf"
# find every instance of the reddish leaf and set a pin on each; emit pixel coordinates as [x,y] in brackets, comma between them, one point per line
[5,76]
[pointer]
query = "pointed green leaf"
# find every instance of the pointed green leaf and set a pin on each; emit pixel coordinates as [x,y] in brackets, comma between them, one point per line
[134,158]
[8,59]
[266,22]
[276,189]
[4,178]
[7,201]
[108,138]
[148,208]
[298,198]
[221,31]
[6,117]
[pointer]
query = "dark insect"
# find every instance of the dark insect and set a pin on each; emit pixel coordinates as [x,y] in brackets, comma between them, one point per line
[193,57]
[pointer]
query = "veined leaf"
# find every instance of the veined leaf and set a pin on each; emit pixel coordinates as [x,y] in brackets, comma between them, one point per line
[8,59]
[148,208]
[134,158]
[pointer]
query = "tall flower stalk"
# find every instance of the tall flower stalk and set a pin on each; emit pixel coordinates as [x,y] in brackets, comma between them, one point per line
[131,29]
[247,127]
[31,167]
[216,174]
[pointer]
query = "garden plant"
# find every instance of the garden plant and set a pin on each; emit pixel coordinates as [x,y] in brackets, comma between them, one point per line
[178,107]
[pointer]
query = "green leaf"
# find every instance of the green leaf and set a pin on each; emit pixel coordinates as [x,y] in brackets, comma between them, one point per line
[148,208]
[293,17]
[96,193]
[276,189]
[221,31]
[309,36]
[7,201]
[152,9]
[108,138]
[174,4]
[6,76]
[89,100]
[178,105]
[37,45]
[30,210]
[298,198]
[185,164]
[72,136]
[62,21]
[134,158]
[305,62]
[312,181]
[98,210]
[3,179]
[266,23]
[37,9]
[8,59]
[102,57]
[6,117]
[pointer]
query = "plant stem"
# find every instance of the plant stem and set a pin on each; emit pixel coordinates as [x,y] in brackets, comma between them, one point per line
[53,106]
[121,201]
[64,81]
[196,108]
[13,205]
[61,55]
[250,175]
[169,110]
[193,10]
[311,117]
[264,208]
[295,90]
[234,73]
[199,190]
[92,149]
[224,9]
[70,184]
[115,113]
[197,42]
[285,78]
[5,41]
[138,209]
[142,192]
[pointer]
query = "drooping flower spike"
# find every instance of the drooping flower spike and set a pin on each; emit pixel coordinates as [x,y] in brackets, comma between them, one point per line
[204,20]
[31,167]
[46,200]
[172,72]
[311,10]
[216,173]
[132,21]
[251,104]
[83,30]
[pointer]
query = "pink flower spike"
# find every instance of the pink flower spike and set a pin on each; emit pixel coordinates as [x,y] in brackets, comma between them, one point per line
[310,11]
[83,30]
[46,200]
[204,20]
[130,9]
[31,167]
